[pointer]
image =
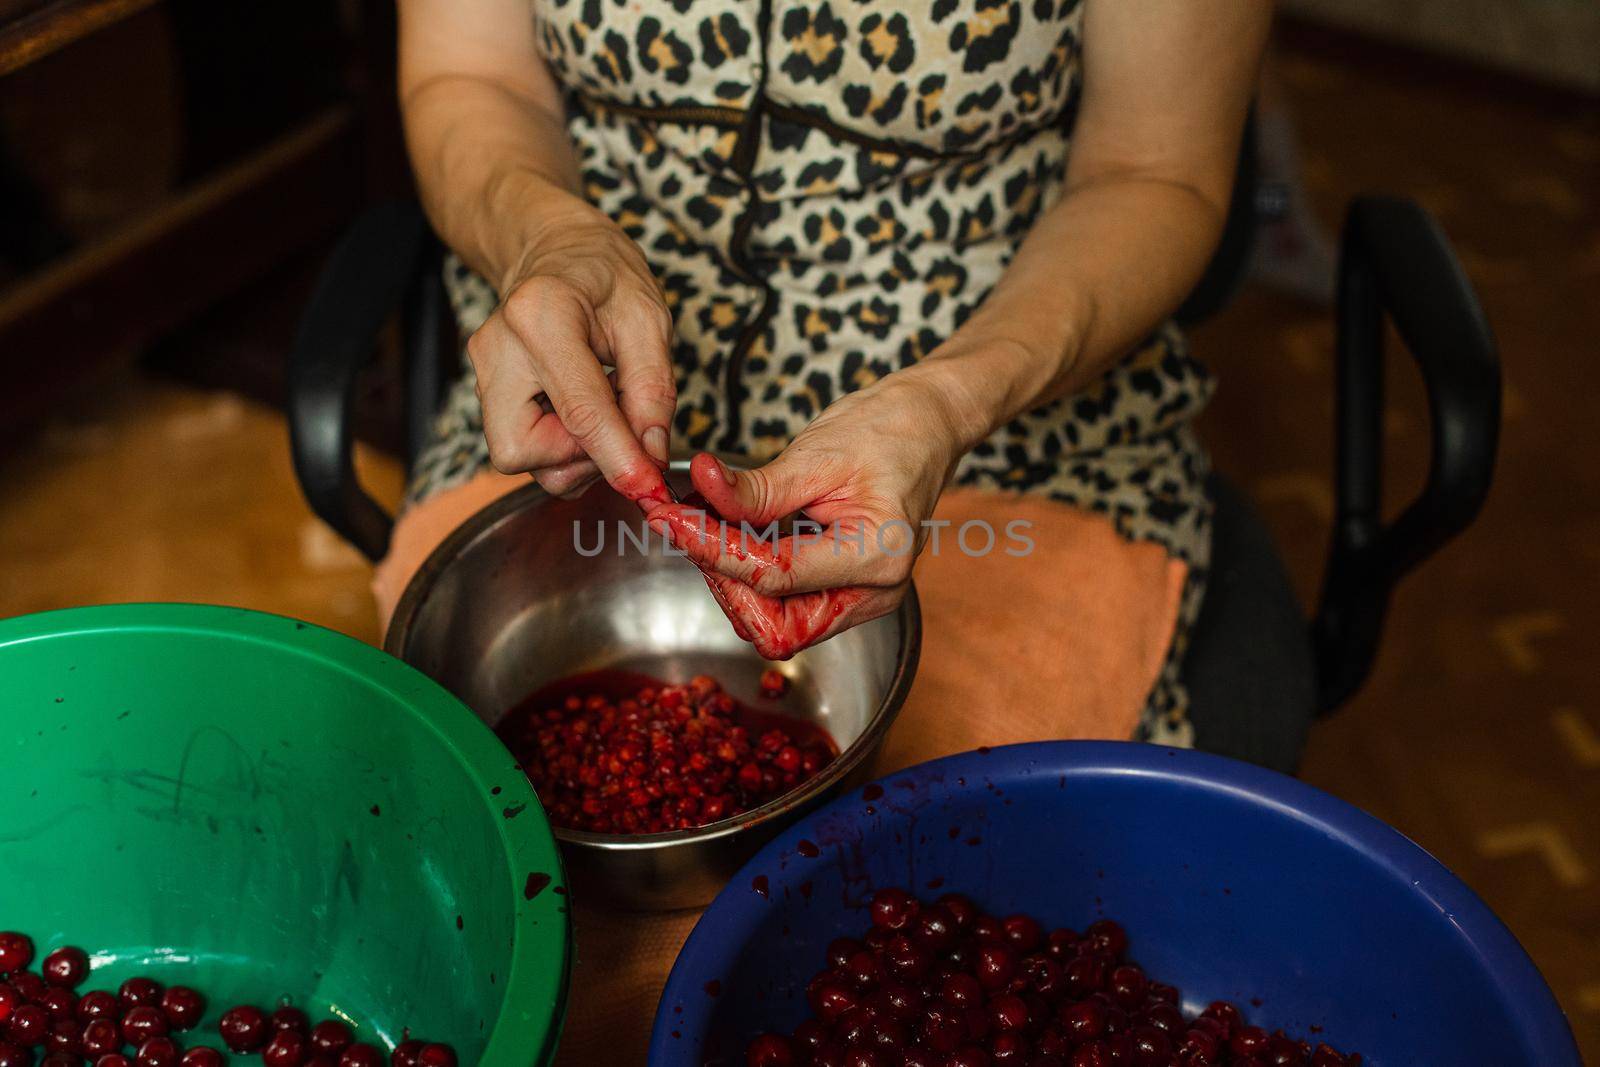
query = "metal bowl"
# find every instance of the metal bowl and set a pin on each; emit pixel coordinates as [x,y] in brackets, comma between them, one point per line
[507,604]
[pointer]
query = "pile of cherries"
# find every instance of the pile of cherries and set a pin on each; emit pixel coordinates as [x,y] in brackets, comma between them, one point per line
[943,985]
[42,1012]
[651,758]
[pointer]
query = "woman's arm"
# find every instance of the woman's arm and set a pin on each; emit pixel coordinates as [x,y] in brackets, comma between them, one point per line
[1166,87]
[499,179]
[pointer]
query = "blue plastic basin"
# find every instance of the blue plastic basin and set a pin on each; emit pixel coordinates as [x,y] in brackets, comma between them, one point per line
[1233,882]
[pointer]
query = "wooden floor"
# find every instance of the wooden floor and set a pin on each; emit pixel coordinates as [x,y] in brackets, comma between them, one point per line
[1479,735]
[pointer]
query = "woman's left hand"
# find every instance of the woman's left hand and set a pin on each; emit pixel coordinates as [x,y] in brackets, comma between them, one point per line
[867,471]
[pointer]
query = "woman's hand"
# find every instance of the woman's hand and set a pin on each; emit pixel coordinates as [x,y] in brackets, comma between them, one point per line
[867,471]
[580,299]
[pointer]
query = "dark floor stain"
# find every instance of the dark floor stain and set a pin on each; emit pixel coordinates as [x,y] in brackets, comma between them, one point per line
[538,882]
[514,810]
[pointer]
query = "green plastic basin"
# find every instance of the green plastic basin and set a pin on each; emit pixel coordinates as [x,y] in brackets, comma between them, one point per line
[259,807]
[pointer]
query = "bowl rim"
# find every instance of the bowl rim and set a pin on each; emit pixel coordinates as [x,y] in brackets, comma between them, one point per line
[907,655]
[734,914]
[519,1036]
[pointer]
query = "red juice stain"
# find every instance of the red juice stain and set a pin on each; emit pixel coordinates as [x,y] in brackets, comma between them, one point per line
[713,988]
[872,792]
[805,890]
[759,884]
[807,849]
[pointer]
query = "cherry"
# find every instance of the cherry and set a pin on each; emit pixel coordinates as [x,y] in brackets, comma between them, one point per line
[970,1056]
[65,1036]
[286,1049]
[405,1054]
[331,1036]
[113,1059]
[892,909]
[98,1004]
[1011,1049]
[243,1029]
[1249,1041]
[142,1023]
[183,1007]
[14,1055]
[1108,937]
[16,951]
[58,1002]
[1023,934]
[101,1036]
[994,967]
[436,1056]
[774,683]
[770,1050]
[30,1025]
[66,966]
[137,992]
[30,985]
[159,1051]
[290,1018]
[201,1056]
[10,999]
[1127,986]
[62,1059]
[962,910]
[1082,1020]
[1008,1012]
[361,1055]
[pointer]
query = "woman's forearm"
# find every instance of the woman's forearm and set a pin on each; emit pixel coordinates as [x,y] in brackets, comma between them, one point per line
[484,126]
[1096,274]
[1166,87]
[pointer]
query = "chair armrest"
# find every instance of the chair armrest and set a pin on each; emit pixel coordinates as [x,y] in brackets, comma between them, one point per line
[1395,260]
[362,284]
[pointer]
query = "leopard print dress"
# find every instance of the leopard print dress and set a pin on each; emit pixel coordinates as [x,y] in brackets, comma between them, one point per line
[826,190]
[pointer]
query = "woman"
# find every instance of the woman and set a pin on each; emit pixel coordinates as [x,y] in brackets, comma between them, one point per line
[877,250]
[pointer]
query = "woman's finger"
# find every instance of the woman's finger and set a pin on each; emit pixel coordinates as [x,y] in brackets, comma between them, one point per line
[847,552]
[641,341]
[522,435]
[779,627]
[551,320]
[569,480]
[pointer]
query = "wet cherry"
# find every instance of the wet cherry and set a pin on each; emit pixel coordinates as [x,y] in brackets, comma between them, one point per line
[201,1056]
[436,1056]
[16,951]
[361,1055]
[136,992]
[243,1029]
[286,1049]
[331,1036]
[159,1051]
[183,1007]
[143,1023]
[66,966]
[290,1018]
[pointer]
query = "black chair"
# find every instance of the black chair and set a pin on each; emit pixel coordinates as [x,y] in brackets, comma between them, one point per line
[1258,674]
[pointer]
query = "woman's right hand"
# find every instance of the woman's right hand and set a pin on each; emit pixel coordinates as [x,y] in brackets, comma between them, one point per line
[579,300]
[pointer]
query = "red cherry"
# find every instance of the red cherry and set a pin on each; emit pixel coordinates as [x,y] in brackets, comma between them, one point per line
[770,1050]
[113,1059]
[436,1056]
[1023,933]
[361,1055]
[65,1036]
[405,1054]
[201,1056]
[10,1000]
[994,966]
[29,1026]
[98,1004]
[142,1023]
[101,1036]
[60,1003]
[66,966]
[14,1055]
[157,1052]
[286,1049]
[136,992]
[16,951]
[287,1018]
[183,1007]
[243,1029]
[331,1035]
[30,985]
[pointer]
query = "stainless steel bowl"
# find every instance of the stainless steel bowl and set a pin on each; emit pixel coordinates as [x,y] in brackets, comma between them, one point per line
[507,604]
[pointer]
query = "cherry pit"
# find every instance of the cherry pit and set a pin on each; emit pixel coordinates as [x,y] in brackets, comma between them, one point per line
[942,984]
[138,1025]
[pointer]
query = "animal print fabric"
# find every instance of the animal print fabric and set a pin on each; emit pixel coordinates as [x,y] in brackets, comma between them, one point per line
[826,191]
